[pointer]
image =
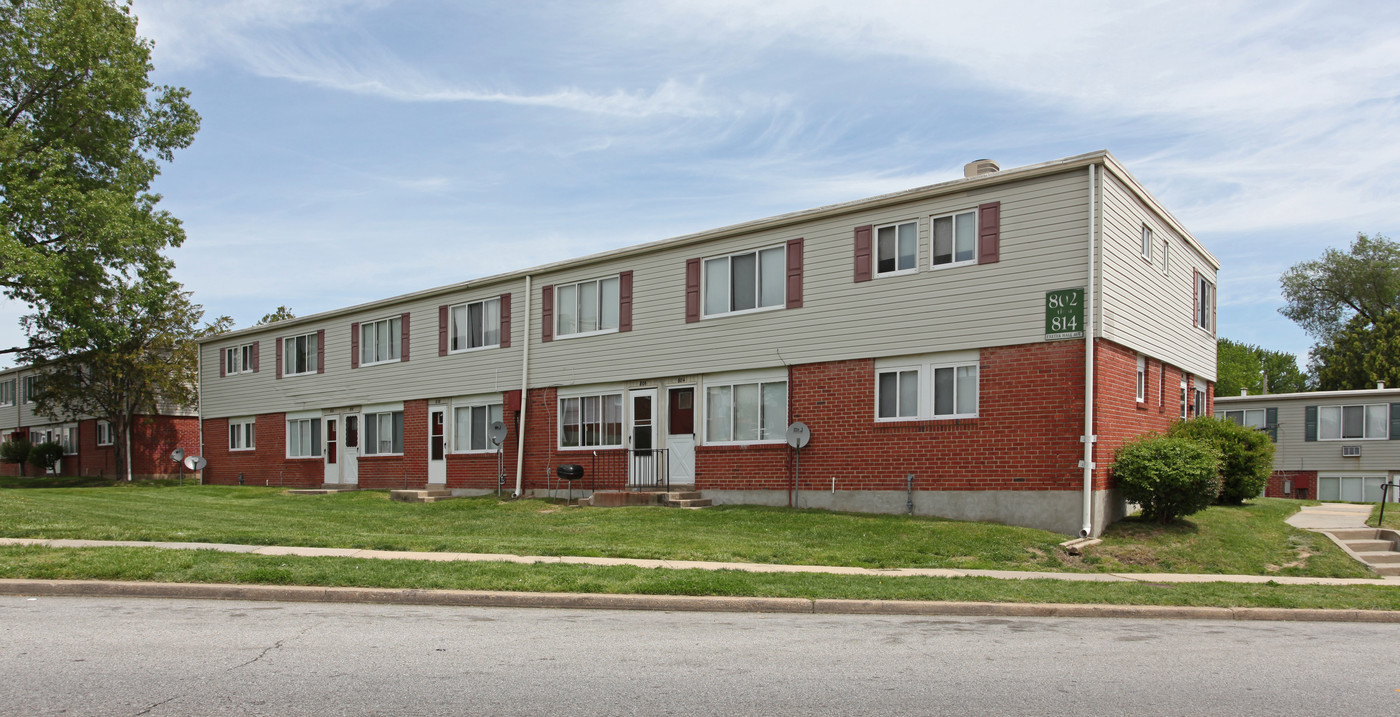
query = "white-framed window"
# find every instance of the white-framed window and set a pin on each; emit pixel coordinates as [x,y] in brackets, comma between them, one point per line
[238,359]
[1252,417]
[1354,422]
[7,393]
[896,248]
[383,433]
[68,438]
[587,307]
[591,421]
[380,340]
[1198,403]
[304,437]
[746,411]
[747,281]
[1205,300]
[938,386]
[1166,256]
[242,433]
[300,354]
[1141,378]
[1147,242]
[470,425]
[29,385]
[105,435]
[1184,403]
[475,325]
[954,239]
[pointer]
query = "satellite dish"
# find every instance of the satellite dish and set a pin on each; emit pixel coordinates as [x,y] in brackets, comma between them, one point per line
[195,463]
[496,433]
[798,435]
[177,455]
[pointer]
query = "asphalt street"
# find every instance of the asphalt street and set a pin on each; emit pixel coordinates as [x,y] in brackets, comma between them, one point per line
[129,656]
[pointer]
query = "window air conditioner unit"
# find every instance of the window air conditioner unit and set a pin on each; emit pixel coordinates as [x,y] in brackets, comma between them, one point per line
[1351,451]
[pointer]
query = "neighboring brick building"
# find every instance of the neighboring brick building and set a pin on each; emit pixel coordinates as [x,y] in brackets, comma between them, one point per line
[1329,445]
[89,444]
[933,340]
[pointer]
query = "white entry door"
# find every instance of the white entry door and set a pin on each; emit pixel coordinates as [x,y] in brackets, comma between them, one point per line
[330,428]
[643,469]
[350,449]
[680,434]
[437,445]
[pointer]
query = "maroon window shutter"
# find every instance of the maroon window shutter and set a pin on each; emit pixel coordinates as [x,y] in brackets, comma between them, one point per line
[547,313]
[442,330]
[1195,297]
[403,337]
[863,252]
[989,233]
[279,358]
[321,351]
[257,353]
[794,273]
[355,345]
[505,321]
[223,362]
[624,301]
[692,290]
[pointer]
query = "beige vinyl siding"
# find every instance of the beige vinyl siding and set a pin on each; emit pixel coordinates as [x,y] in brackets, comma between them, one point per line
[424,375]
[1143,309]
[1043,229]
[1293,453]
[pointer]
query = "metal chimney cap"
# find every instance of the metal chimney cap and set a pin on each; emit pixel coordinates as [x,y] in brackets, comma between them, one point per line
[978,167]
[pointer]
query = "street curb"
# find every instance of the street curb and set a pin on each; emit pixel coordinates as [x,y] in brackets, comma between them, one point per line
[674,603]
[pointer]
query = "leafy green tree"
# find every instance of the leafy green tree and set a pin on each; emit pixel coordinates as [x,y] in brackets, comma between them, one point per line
[281,314]
[1245,366]
[44,456]
[139,356]
[16,451]
[1360,355]
[83,133]
[1246,455]
[1167,477]
[1324,295]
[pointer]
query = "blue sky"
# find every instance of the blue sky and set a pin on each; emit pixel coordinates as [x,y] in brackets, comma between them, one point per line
[358,149]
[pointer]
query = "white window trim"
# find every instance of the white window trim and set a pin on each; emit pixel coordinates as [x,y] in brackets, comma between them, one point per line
[70,431]
[1203,308]
[1166,256]
[1147,241]
[624,414]
[451,427]
[1141,379]
[27,385]
[245,421]
[470,349]
[1244,416]
[926,365]
[238,352]
[599,280]
[371,322]
[365,414]
[1364,406]
[758,269]
[875,249]
[932,257]
[315,420]
[287,353]
[919,380]
[13,388]
[111,434]
[1185,401]
[731,379]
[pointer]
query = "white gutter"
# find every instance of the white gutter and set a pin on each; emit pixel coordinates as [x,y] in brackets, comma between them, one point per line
[524,394]
[1089,438]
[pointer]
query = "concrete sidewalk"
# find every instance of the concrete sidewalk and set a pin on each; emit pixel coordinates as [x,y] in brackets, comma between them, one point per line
[1330,516]
[705,565]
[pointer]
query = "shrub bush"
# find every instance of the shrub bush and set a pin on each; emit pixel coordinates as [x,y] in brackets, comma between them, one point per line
[44,455]
[1168,477]
[1246,455]
[16,451]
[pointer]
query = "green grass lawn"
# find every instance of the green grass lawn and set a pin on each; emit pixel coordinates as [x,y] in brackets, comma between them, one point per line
[1392,516]
[1248,540]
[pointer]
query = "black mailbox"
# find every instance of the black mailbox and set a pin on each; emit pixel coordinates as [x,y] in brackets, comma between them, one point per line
[569,471]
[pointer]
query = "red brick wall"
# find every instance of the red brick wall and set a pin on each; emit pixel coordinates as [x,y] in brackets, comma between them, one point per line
[1302,480]
[604,468]
[409,470]
[266,464]
[153,439]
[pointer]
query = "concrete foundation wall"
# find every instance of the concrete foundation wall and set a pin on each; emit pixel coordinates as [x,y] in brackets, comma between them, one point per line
[1058,511]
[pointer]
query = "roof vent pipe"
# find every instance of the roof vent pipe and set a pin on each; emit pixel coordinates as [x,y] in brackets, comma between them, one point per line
[978,167]
[1244,392]
[1380,385]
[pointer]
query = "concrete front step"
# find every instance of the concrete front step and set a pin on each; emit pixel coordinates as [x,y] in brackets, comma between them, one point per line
[690,503]
[1368,546]
[674,499]
[419,496]
[1383,557]
[1357,533]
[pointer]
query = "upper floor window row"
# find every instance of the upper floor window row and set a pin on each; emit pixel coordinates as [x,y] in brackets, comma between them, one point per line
[1349,422]
[474,325]
[29,386]
[304,354]
[1203,308]
[971,236]
[7,393]
[240,359]
[757,279]
[584,308]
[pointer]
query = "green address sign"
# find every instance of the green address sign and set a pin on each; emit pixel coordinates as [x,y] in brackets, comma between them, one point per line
[1064,314]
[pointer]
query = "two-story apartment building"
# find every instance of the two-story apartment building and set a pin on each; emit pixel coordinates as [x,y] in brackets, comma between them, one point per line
[949,347]
[1329,445]
[89,444]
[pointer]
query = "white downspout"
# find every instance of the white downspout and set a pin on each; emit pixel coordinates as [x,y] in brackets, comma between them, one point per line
[1089,438]
[199,398]
[524,395]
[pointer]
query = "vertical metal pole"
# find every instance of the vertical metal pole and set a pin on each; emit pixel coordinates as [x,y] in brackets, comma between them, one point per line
[797,482]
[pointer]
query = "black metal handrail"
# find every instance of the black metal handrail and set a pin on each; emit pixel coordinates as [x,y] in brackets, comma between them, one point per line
[648,468]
